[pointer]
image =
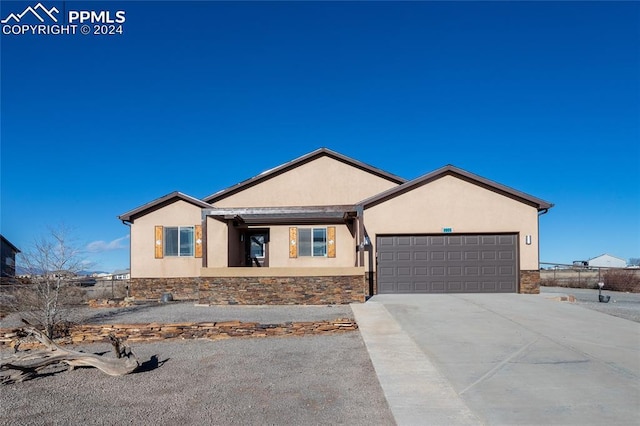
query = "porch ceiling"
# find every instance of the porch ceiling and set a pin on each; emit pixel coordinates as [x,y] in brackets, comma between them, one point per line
[284,215]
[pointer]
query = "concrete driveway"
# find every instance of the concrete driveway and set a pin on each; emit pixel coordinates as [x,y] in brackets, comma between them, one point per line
[502,359]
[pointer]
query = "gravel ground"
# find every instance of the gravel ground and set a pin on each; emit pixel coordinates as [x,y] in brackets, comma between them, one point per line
[176,312]
[623,305]
[309,380]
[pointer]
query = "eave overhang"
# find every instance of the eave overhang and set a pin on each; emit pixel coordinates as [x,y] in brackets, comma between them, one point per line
[283,215]
[159,203]
[450,170]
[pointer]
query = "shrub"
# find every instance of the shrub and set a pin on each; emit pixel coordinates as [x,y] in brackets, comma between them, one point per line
[622,280]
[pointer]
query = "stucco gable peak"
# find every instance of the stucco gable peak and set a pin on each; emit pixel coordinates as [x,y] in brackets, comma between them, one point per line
[451,170]
[314,155]
[162,202]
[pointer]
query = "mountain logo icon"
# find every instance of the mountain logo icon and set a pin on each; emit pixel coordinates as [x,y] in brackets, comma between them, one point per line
[39,11]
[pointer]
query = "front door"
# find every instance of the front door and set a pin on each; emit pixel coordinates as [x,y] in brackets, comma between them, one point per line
[256,248]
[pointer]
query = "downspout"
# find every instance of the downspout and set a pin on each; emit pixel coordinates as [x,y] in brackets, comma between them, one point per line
[128,223]
[540,213]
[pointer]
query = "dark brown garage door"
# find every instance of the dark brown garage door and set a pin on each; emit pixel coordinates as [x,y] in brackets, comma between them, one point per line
[447,264]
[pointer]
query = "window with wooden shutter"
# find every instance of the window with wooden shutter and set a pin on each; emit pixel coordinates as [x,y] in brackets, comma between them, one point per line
[293,242]
[158,242]
[198,231]
[331,241]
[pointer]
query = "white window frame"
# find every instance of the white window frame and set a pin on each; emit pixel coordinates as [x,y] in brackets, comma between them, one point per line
[312,231]
[179,229]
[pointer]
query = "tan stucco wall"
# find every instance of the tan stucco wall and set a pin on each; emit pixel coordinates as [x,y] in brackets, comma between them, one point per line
[143,262]
[217,243]
[324,181]
[279,247]
[450,202]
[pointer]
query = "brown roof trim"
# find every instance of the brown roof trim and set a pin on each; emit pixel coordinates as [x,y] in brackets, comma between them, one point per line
[288,215]
[296,163]
[461,174]
[159,203]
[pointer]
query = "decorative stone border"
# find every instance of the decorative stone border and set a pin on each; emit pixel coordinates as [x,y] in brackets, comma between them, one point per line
[153,332]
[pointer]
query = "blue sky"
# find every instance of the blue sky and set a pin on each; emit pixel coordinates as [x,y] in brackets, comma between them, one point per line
[197,96]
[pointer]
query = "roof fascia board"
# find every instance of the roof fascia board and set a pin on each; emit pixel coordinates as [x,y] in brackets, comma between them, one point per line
[278,215]
[11,246]
[461,174]
[278,210]
[161,202]
[296,163]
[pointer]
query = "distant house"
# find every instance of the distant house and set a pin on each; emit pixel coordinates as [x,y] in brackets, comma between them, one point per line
[121,274]
[8,255]
[607,261]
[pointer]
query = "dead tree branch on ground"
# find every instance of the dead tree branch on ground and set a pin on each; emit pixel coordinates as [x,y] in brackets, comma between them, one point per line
[26,365]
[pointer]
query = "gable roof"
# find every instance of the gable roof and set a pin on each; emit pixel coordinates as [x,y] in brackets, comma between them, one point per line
[322,152]
[161,202]
[450,170]
[8,243]
[607,255]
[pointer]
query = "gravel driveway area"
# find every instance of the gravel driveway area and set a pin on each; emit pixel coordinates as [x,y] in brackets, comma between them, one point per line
[310,380]
[623,305]
[176,312]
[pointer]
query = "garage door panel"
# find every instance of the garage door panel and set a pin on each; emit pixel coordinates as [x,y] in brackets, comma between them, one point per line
[437,255]
[472,286]
[420,271]
[454,271]
[437,271]
[437,241]
[471,255]
[405,287]
[420,255]
[487,240]
[507,240]
[454,255]
[488,255]
[447,263]
[386,241]
[403,241]
[506,271]
[471,271]
[472,240]
[455,287]
[437,286]
[421,286]
[403,271]
[386,272]
[404,255]
[455,241]
[489,270]
[505,255]
[421,241]
[386,256]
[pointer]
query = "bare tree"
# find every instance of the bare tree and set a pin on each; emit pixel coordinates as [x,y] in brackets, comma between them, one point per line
[51,262]
[634,261]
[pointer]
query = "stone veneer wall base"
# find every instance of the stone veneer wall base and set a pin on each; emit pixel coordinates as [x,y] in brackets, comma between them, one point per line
[316,290]
[530,282]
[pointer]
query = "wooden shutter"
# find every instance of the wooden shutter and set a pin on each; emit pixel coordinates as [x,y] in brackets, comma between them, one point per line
[331,241]
[158,243]
[293,242]
[198,232]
